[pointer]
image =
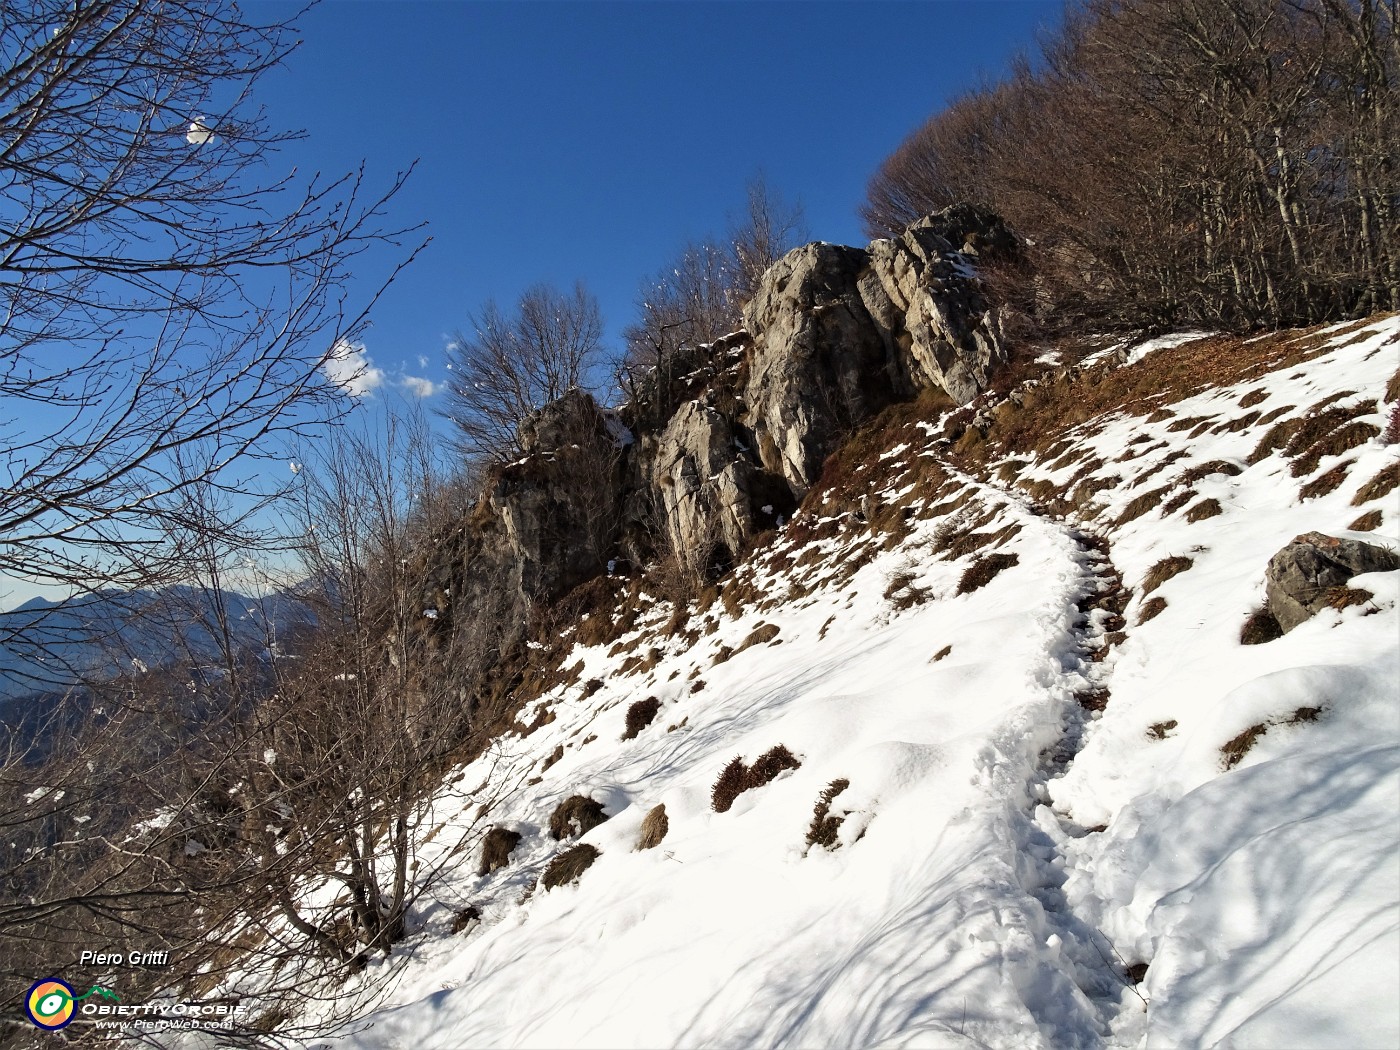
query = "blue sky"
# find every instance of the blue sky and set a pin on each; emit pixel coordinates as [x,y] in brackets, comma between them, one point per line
[589,141]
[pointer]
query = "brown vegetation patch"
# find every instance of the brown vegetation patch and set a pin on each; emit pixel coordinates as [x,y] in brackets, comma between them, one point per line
[1379,486]
[1159,730]
[947,649]
[826,626]
[1093,699]
[1236,748]
[1324,483]
[1141,505]
[1343,439]
[1142,388]
[654,827]
[903,593]
[1260,627]
[982,571]
[496,849]
[552,758]
[736,778]
[1163,571]
[1206,508]
[1150,609]
[824,826]
[1177,501]
[640,715]
[1368,522]
[1234,426]
[760,635]
[1345,597]
[576,815]
[1205,470]
[1253,398]
[466,919]
[569,865]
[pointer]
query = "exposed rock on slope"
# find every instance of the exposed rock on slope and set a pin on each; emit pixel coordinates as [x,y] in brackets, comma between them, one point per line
[723,441]
[1302,577]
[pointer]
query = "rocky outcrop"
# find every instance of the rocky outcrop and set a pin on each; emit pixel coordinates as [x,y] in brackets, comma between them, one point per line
[926,295]
[560,505]
[1301,578]
[720,442]
[702,479]
[819,364]
[839,333]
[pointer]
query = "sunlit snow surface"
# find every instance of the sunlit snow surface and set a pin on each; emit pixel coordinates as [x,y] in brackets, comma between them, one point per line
[970,903]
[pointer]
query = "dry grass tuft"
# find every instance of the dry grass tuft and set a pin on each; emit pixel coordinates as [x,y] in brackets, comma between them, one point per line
[903,593]
[824,826]
[1235,749]
[1259,628]
[1205,470]
[1368,522]
[576,815]
[1380,485]
[1207,508]
[736,778]
[1163,571]
[496,849]
[1141,505]
[1150,609]
[1324,483]
[984,570]
[760,635]
[1159,730]
[1345,597]
[947,649]
[1343,439]
[569,865]
[640,715]
[654,827]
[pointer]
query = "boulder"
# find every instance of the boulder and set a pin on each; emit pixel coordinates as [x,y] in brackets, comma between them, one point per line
[839,333]
[702,482]
[1301,575]
[927,296]
[819,363]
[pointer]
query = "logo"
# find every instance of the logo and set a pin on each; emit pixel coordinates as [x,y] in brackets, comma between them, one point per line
[50,1002]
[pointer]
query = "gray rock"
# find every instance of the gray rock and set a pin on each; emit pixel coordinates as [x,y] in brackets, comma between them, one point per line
[702,483]
[1300,575]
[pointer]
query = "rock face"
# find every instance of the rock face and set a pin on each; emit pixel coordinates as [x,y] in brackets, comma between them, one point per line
[559,506]
[703,482]
[1300,576]
[720,442]
[839,333]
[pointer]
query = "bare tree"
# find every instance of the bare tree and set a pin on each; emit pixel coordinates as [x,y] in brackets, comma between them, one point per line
[511,365]
[768,229]
[166,301]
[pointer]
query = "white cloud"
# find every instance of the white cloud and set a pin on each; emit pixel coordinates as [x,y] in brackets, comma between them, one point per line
[418,386]
[199,132]
[422,360]
[348,366]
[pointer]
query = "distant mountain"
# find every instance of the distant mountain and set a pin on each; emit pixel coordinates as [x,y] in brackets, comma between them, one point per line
[47,647]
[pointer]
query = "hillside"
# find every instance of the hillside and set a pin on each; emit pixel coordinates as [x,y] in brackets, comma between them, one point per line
[1044,795]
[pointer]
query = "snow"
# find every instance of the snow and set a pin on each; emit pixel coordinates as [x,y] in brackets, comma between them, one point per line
[1005,855]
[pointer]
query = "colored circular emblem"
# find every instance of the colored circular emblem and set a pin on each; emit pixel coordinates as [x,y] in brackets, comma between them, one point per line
[49,1003]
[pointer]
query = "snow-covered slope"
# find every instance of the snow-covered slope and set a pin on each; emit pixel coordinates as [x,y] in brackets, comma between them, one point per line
[1039,795]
